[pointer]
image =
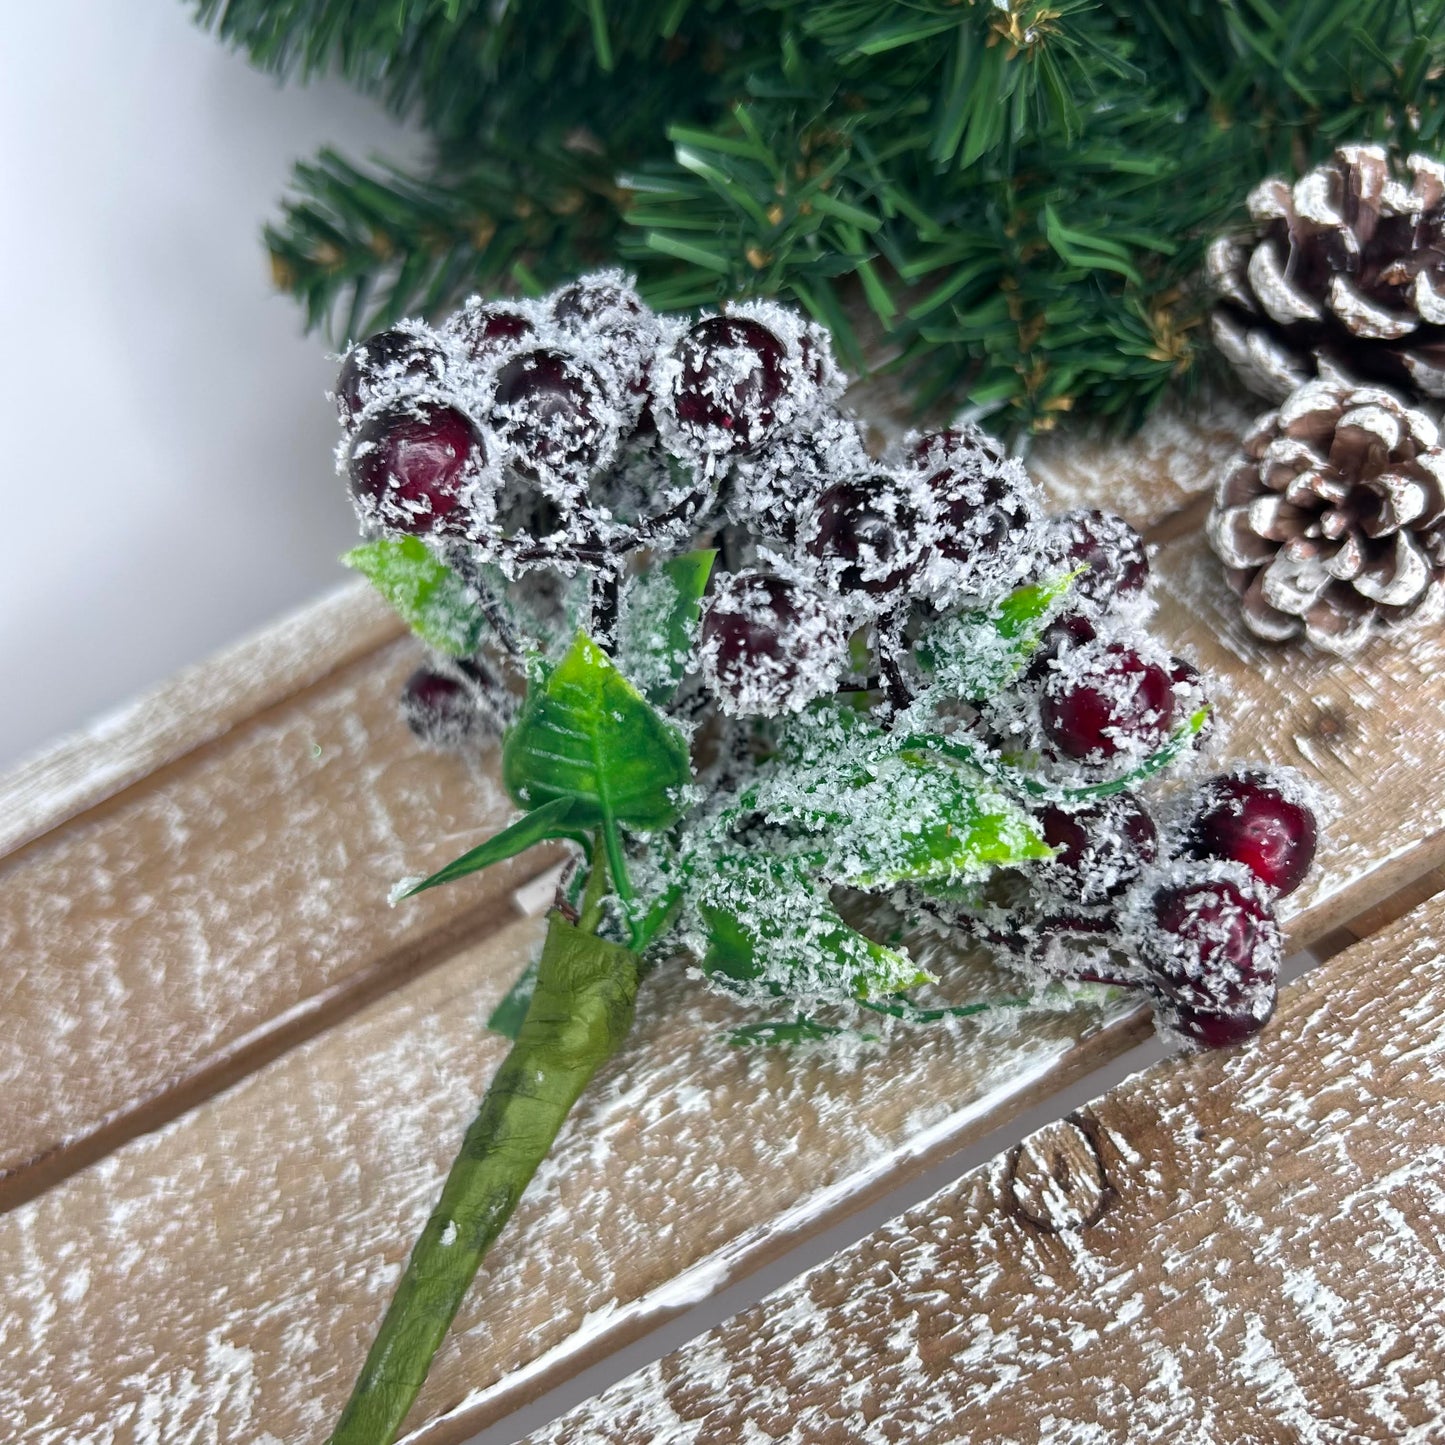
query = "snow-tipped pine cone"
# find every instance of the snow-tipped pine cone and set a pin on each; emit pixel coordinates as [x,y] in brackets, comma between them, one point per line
[1332,522]
[1347,265]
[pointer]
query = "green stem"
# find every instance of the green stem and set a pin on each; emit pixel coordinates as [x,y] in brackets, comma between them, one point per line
[595,893]
[579,1016]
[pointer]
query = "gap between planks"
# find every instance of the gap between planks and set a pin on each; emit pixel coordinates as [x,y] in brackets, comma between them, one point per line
[1222,1245]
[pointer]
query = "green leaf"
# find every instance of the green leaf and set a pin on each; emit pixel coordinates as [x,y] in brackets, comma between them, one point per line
[800,1030]
[658,627]
[551,820]
[587,735]
[980,759]
[979,653]
[425,593]
[873,814]
[773,930]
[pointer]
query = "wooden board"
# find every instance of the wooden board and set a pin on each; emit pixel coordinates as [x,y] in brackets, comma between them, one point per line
[210,1003]
[193,708]
[174,937]
[1227,1248]
[238,1260]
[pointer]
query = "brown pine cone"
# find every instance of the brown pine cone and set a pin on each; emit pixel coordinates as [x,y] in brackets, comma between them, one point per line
[1332,523]
[1347,264]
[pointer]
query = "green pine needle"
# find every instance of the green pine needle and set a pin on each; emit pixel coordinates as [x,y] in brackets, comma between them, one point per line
[1020,197]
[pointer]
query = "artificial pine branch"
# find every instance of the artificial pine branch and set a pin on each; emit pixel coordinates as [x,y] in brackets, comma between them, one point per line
[1020,195]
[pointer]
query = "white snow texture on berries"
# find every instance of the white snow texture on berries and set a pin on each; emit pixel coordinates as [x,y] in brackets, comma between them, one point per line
[898,677]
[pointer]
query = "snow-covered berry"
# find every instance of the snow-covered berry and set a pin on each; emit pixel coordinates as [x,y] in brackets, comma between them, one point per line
[554,420]
[769,645]
[1100,848]
[1111,550]
[724,391]
[438,708]
[1109,700]
[1210,944]
[486,331]
[867,536]
[384,367]
[1068,631]
[1250,818]
[413,468]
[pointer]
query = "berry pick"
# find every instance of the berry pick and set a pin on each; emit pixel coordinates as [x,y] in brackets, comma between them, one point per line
[764,684]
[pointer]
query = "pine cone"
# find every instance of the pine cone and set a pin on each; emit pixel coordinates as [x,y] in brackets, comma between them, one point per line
[1333,520]
[1347,265]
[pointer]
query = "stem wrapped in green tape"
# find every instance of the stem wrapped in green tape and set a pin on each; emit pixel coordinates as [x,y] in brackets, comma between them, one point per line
[580,1013]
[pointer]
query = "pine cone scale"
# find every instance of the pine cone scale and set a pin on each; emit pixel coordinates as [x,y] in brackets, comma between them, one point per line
[1348,266]
[1331,522]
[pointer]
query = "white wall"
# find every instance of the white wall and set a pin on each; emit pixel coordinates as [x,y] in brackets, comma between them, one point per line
[165,447]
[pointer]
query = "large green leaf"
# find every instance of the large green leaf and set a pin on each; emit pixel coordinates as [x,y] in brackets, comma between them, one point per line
[586,734]
[773,930]
[426,594]
[658,628]
[551,820]
[977,654]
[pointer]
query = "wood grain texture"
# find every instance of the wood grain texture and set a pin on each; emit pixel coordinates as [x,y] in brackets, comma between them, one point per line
[176,936]
[233,1265]
[196,706]
[189,929]
[1227,1248]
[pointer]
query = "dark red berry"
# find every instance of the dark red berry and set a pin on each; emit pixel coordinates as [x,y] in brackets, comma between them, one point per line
[1246,818]
[976,517]
[865,533]
[769,645]
[1107,545]
[1102,848]
[384,361]
[732,378]
[959,446]
[591,300]
[1066,632]
[548,410]
[1115,700]
[411,467]
[489,331]
[439,709]
[1212,950]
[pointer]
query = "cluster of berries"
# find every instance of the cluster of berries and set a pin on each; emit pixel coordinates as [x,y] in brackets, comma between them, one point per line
[559,437]
[1179,904]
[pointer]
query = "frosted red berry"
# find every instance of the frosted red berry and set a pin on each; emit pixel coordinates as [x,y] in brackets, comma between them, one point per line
[547,409]
[769,645]
[411,467]
[1212,950]
[385,361]
[1113,552]
[1114,701]
[487,332]
[1066,632]
[439,709]
[589,302]
[961,445]
[866,535]
[1248,819]
[1101,848]
[732,377]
